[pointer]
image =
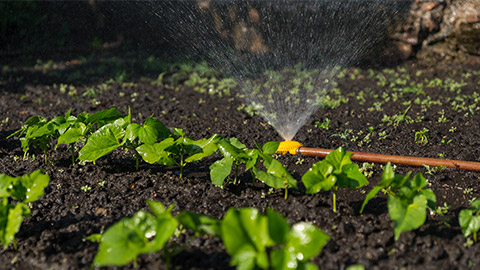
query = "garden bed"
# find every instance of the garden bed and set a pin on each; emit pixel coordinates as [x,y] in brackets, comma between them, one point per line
[378,110]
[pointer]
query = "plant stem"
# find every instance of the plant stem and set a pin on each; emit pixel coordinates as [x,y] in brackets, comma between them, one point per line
[286,193]
[334,199]
[475,237]
[236,174]
[181,163]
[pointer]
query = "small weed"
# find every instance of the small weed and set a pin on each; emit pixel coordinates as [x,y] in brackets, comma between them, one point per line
[367,169]
[86,188]
[442,118]
[324,125]
[421,137]
[299,161]
[441,210]
[382,135]
[433,170]
[343,135]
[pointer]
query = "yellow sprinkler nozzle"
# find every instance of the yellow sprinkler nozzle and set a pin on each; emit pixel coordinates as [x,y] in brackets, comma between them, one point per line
[288,146]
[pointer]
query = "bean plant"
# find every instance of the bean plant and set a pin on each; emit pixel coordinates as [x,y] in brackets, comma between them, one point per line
[408,199]
[335,171]
[469,220]
[236,153]
[143,233]
[24,190]
[268,242]
[252,239]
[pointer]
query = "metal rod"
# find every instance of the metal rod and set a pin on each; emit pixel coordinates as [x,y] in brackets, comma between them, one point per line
[403,160]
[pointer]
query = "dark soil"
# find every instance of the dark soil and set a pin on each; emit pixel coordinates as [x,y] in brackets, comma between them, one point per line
[53,237]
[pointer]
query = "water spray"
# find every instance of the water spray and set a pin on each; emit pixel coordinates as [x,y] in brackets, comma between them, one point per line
[294,148]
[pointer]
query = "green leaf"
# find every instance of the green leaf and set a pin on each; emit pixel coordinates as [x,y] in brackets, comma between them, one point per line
[268,179]
[41,130]
[283,259]
[229,149]
[179,132]
[469,222]
[252,160]
[306,241]
[418,181]
[152,153]
[276,175]
[244,233]
[207,147]
[32,121]
[14,221]
[278,227]
[475,204]
[101,142]
[407,216]
[370,196]
[388,176]
[129,237]
[73,134]
[104,117]
[200,224]
[131,132]
[157,208]
[270,148]
[353,178]
[244,258]
[220,170]
[339,158]
[307,266]
[35,184]
[5,182]
[237,144]
[431,198]
[162,131]
[151,130]
[319,177]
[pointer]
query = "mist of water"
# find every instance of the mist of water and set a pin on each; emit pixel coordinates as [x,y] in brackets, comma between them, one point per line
[285,53]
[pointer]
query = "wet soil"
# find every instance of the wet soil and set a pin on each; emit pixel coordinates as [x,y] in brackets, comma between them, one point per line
[53,237]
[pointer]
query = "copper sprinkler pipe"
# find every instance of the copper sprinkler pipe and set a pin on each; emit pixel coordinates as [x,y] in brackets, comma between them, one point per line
[403,160]
[294,147]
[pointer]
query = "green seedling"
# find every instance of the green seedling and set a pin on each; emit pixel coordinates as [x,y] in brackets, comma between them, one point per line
[189,150]
[234,153]
[433,170]
[421,137]
[276,175]
[336,170]
[178,149]
[469,220]
[38,132]
[143,233]
[252,239]
[268,242]
[323,125]
[24,190]
[408,199]
[149,133]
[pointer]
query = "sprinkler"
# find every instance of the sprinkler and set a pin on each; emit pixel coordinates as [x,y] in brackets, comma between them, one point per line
[294,148]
